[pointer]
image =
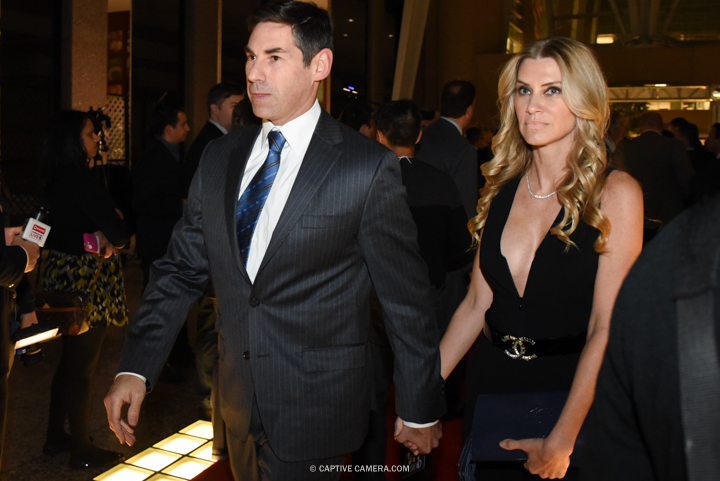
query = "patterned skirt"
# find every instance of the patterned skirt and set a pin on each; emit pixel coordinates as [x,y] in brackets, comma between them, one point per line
[106,301]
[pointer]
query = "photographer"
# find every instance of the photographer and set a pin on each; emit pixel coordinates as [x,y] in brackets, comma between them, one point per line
[17,256]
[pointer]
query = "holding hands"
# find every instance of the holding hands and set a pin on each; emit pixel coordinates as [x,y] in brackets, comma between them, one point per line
[418,440]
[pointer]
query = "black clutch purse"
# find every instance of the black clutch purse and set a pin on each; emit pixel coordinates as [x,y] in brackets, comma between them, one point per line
[516,416]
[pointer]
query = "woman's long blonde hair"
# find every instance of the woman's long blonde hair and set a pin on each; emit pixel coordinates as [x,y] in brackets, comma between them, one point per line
[585,93]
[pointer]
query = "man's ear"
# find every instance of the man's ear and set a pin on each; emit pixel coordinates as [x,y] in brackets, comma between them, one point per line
[321,64]
[419,137]
[381,138]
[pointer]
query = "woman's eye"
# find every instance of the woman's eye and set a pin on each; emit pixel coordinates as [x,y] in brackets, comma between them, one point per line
[523,90]
[554,90]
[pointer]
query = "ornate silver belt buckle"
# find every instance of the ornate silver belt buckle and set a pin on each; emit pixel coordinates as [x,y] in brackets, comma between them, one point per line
[518,347]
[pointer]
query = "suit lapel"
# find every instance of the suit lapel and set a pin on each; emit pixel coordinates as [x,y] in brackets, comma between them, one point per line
[237,160]
[319,159]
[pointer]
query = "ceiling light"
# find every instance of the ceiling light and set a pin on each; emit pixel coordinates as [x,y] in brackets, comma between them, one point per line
[605,38]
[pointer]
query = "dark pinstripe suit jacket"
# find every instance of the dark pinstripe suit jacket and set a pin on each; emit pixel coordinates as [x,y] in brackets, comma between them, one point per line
[297,338]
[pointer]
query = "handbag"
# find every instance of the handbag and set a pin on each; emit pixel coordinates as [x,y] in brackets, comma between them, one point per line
[512,416]
[67,309]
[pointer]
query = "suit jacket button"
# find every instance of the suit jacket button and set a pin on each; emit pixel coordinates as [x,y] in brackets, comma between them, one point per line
[246,355]
[254,302]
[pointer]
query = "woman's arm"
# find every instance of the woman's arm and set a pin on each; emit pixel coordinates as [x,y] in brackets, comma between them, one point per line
[622,203]
[95,202]
[467,322]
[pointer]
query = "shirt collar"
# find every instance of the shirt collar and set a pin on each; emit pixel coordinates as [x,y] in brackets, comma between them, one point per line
[173,148]
[220,127]
[454,123]
[299,131]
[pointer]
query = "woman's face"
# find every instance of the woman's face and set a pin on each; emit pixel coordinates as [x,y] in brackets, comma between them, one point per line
[543,116]
[89,139]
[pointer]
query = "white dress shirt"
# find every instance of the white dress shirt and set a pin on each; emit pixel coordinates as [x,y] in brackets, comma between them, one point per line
[220,127]
[297,133]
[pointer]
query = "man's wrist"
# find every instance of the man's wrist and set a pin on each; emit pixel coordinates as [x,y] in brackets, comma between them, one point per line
[419,426]
[144,379]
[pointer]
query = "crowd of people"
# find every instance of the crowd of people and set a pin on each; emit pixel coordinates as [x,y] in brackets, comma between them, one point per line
[330,259]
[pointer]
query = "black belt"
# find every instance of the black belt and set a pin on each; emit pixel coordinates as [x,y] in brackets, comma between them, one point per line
[527,349]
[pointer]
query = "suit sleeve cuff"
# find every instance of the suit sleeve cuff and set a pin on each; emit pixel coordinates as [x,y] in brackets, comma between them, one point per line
[417,426]
[132,374]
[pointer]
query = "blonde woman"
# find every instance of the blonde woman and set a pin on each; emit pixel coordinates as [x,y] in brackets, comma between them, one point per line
[557,234]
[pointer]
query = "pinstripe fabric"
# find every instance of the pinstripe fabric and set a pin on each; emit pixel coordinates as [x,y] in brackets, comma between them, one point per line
[297,338]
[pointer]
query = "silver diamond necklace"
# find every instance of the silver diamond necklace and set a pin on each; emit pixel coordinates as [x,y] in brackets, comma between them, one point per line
[527,178]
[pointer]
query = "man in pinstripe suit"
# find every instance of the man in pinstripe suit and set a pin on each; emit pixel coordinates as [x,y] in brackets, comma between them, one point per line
[293,321]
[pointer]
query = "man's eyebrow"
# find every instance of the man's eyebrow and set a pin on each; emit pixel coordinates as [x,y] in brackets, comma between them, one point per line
[271,51]
[543,85]
[248,49]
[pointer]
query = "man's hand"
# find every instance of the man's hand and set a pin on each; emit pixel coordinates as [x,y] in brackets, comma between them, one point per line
[13,238]
[126,389]
[418,440]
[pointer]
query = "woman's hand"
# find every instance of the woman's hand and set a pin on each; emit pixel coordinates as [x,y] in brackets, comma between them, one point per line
[545,457]
[106,248]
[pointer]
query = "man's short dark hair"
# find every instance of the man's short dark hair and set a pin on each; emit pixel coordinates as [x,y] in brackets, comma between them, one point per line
[163,114]
[689,132]
[677,122]
[399,121]
[457,96]
[221,91]
[311,25]
[356,116]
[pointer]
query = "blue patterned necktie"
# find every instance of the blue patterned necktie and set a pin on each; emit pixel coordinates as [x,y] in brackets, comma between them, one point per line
[253,199]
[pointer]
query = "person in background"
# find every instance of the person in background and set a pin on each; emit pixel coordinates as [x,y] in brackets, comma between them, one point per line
[662,167]
[442,235]
[243,115]
[550,259]
[159,184]
[688,134]
[78,205]
[221,101]
[616,133]
[359,117]
[17,256]
[706,182]
[443,146]
[428,117]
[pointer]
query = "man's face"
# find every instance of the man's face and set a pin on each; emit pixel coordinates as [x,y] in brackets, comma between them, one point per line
[223,113]
[177,134]
[279,86]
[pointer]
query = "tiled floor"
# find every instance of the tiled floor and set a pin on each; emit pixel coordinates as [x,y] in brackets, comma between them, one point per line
[169,408]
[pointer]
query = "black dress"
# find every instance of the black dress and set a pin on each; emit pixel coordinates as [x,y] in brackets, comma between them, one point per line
[556,303]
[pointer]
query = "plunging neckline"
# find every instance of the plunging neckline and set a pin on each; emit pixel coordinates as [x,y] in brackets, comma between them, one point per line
[532,263]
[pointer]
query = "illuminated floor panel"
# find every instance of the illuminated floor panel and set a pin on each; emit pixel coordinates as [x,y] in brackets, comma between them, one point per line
[181,456]
[199,429]
[203,452]
[187,468]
